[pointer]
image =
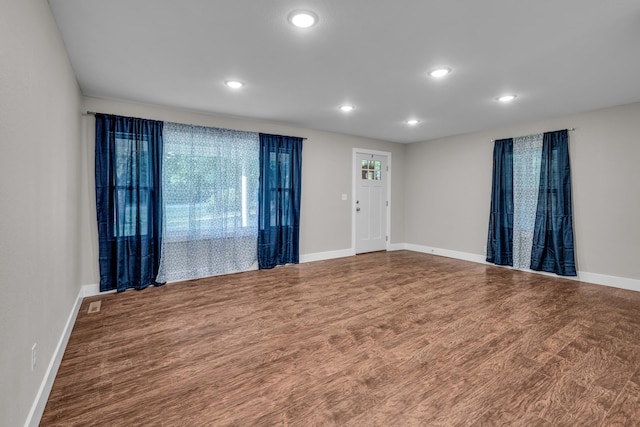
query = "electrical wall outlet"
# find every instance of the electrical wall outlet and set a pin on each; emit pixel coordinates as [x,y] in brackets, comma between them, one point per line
[34,356]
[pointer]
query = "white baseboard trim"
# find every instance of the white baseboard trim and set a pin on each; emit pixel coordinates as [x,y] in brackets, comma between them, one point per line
[466,256]
[583,276]
[94,290]
[321,256]
[37,409]
[397,247]
[612,281]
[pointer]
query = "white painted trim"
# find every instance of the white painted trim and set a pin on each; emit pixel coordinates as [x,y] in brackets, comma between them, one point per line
[466,256]
[321,256]
[94,290]
[37,409]
[582,276]
[612,281]
[354,168]
[397,247]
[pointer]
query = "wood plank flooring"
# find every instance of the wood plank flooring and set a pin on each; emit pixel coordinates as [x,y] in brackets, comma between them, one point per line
[381,339]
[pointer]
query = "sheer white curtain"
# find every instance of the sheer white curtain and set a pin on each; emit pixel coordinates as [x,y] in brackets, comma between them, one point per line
[527,154]
[210,199]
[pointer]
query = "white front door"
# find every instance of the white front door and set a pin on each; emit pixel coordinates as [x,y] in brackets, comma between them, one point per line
[371,202]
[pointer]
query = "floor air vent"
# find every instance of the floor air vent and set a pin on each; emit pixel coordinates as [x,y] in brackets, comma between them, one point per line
[94,307]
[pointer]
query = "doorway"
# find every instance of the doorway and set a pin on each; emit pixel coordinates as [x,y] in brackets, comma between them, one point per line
[372,180]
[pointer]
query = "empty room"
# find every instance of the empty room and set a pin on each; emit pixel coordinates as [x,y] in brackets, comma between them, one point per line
[363,213]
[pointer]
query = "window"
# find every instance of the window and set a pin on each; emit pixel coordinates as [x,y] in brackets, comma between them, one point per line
[280,173]
[180,202]
[132,186]
[210,198]
[210,181]
[371,170]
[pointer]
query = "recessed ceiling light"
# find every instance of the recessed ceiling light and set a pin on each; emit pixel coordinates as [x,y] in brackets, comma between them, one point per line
[439,72]
[303,18]
[506,98]
[234,84]
[346,108]
[413,122]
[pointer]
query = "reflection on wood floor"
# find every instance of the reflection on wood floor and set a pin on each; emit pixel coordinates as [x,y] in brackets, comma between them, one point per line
[389,339]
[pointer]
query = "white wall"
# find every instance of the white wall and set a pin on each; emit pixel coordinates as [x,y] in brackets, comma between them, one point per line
[448,189]
[39,199]
[326,175]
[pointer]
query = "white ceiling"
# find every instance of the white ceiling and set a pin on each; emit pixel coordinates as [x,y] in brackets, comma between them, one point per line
[558,56]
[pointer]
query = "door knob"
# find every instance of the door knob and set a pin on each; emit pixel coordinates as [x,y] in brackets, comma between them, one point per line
[357,209]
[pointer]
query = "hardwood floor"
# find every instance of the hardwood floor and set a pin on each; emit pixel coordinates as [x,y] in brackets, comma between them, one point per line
[387,339]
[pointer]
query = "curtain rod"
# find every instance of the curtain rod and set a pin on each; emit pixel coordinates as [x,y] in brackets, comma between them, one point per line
[93,113]
[568,129]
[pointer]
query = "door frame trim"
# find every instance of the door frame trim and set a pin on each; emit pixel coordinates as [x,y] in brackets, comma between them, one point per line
[354,169]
